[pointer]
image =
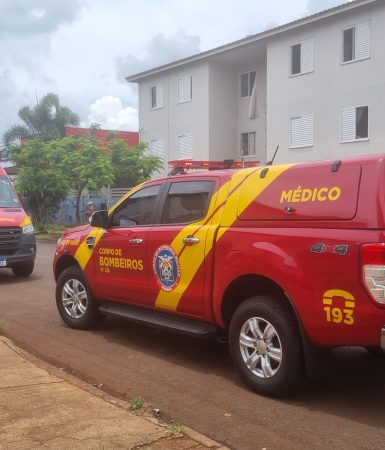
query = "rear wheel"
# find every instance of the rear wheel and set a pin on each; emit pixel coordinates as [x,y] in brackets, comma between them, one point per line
[24,270]
[266,346]
[376,351]
[74,300]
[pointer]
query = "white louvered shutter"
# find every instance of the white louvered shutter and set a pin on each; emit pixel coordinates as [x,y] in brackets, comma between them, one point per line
[295,131]
[185,146]
[348,124]
[307,130]
[307,58]
[184,89]
[362,40]
[156,148]
[159,95]
[301,131]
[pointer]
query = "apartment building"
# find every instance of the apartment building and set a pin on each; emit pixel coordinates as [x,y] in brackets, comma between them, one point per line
[315,87]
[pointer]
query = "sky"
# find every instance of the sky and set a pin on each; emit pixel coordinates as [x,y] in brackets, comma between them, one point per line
[83,49]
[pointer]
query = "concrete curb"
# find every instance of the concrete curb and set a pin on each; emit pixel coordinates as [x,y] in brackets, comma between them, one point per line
[190,439]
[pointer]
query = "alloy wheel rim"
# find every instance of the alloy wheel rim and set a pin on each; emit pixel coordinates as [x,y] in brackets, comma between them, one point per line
[74,298]
[260,347]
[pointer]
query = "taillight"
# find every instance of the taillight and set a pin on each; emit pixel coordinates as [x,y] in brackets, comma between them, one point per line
[373,270]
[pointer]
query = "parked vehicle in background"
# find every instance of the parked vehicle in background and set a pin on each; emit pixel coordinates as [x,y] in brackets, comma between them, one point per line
[288,260]
[17,235]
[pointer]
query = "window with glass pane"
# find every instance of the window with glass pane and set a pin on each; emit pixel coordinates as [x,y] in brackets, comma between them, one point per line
[252,76]
[251,144]
[139,209]
[245,144]
[248,144]
[296,59]
[362,122]
[348,45]
[245,85]
[187,201]
[153,97]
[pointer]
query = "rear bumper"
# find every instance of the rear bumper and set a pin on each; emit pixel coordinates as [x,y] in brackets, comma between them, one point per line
[26,252]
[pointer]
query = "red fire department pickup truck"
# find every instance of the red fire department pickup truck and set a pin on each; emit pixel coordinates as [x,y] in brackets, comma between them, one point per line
[288,260]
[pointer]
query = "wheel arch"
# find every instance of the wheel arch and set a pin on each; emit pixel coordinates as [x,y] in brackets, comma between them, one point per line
[245,287]
[62,264]
[317,360]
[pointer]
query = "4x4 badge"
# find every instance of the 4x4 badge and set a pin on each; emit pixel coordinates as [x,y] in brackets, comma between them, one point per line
[341,249]
[166,268]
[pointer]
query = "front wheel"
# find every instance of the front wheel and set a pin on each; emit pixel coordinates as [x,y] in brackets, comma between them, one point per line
[24,270]
[74,300]
[266,346]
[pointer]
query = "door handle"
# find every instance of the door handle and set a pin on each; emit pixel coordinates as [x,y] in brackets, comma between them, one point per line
[191,240]
[136,241]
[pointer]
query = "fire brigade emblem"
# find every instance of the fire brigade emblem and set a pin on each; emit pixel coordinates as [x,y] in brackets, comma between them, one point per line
[166,268]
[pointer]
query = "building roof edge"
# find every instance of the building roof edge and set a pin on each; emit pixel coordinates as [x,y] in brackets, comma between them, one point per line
[250,39]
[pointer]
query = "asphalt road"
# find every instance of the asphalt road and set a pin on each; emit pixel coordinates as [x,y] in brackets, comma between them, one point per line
[194,381]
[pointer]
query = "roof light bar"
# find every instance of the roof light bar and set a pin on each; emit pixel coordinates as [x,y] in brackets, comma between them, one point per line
[227,164]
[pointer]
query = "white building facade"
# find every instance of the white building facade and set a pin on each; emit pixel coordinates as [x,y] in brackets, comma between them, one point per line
[315,87]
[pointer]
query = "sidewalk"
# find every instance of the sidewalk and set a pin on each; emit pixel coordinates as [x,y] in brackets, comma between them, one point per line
[43,407]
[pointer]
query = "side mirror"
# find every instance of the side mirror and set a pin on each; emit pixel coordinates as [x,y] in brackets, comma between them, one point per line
[25,204]
[100,219]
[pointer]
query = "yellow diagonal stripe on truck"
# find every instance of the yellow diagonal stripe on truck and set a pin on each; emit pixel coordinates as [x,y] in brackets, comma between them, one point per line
[83,253]
[252,187]
[228,197]
[192,257]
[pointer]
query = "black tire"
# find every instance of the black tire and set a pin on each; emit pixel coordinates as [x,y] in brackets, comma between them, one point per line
[375,351]
[275,352]
[24,270]
[74,301]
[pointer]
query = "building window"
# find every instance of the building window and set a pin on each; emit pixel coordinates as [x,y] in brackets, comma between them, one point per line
[247,83]
[301,131]
[355,42]
[157,148]
[355,124]
[185,145]
[156,96]
[302,57]
[184,89]
[248,144]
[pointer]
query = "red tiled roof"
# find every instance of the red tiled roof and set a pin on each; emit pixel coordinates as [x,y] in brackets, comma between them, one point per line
[131,138]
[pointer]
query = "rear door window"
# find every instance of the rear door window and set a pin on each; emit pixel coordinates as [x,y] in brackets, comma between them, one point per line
[187,202]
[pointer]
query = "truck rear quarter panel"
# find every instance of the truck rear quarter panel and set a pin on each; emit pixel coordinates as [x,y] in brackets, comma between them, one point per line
[312,250]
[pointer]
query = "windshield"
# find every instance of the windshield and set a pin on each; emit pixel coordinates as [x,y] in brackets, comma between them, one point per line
[8,197]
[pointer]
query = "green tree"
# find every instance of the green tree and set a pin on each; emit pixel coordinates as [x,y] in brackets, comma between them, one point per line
[131,164]
[40,174]
[88,166]
[48,170]
[45,121]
